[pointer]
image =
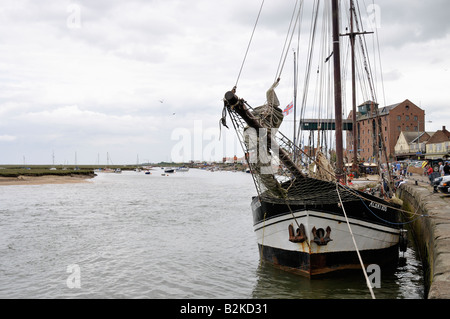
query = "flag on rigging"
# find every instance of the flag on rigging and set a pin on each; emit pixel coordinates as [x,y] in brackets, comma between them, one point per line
[288,109]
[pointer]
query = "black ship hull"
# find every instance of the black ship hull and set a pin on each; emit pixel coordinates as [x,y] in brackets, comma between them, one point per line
[312,239]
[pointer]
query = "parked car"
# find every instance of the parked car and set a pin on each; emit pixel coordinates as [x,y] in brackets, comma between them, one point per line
[444,186]
[435,183]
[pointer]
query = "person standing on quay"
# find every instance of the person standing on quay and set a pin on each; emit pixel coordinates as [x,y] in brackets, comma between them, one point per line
[446,169]
[430,170]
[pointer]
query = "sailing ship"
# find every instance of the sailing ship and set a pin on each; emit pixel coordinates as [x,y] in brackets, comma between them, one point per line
[307,220]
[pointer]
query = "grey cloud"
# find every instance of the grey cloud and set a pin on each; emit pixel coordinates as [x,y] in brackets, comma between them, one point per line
[110,73]
[414,21]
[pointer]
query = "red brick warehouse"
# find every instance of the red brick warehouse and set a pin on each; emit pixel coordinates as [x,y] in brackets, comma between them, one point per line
[405,116]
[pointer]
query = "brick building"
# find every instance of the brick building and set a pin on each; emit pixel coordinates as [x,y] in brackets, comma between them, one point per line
[394,119]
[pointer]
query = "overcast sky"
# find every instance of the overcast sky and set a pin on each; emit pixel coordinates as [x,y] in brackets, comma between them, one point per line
[137,79]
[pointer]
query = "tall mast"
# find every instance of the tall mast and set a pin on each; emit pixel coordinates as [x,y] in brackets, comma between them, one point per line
[337,91]
[295,105]
[352,41]
[352,35]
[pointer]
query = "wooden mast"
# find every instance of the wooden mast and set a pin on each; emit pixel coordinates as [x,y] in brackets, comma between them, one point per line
[352,35]
[337,92]
[295,107]
[352,42]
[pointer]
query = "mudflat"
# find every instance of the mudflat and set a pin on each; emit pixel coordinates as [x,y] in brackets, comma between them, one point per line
[45,179]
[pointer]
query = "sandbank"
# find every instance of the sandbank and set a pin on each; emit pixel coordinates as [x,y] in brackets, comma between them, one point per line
[45,179]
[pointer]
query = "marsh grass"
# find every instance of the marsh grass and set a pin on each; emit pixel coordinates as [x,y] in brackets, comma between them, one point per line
[42,170]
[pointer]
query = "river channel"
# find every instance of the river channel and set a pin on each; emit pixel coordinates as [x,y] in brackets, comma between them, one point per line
[132,235]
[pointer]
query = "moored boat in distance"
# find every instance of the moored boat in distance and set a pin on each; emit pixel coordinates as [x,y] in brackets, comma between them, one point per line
[104,170]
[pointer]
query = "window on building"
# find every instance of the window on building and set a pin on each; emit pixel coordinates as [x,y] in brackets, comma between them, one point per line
[399,128]
[407,117]
[416,129]
[416,118]
[407,128]
[399,118]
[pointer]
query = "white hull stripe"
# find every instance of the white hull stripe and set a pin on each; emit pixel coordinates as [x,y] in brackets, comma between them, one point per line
[339,219]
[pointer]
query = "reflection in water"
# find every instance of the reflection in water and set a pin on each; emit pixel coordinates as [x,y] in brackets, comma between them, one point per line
[402,283]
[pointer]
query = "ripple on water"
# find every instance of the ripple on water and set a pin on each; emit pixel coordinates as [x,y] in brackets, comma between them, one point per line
[147,236]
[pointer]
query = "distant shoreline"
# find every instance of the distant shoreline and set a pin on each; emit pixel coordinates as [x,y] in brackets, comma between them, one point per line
[44,179]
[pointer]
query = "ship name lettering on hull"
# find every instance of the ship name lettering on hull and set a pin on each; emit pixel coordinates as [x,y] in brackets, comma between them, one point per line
[378,206]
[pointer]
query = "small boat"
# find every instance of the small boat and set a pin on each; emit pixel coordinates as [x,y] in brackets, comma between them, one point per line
[183,169]
[169,170]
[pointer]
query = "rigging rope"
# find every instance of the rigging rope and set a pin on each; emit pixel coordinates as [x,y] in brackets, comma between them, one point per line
[379,57]
[309,61]
[286,51]
[314,22]
[249,43]
[312,159]
[354,242]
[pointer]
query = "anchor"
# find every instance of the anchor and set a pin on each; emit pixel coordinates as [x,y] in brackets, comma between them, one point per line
[300,235]
[320,238]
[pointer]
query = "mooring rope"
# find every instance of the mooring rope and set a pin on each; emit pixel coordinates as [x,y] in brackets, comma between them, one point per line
[354,242]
